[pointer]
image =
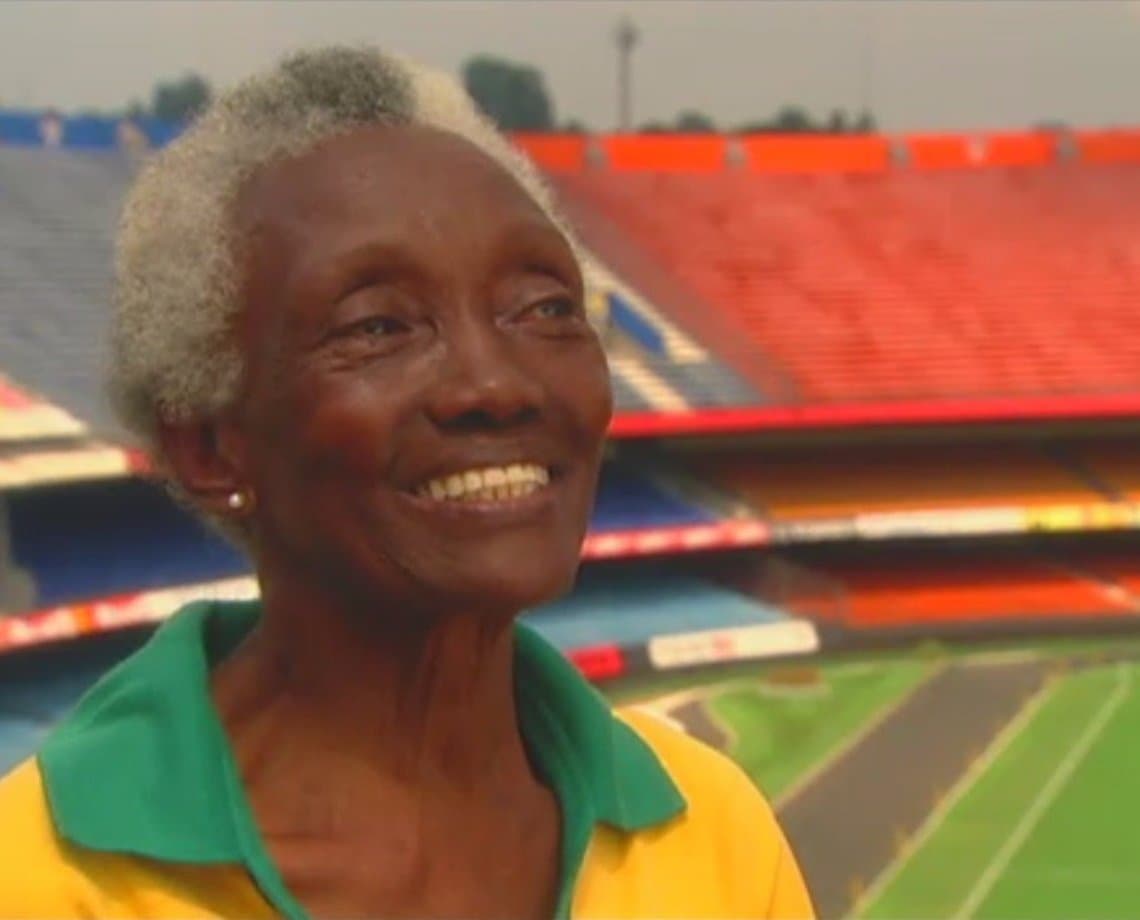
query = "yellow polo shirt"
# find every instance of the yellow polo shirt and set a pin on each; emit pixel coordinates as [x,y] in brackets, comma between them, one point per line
[134,806]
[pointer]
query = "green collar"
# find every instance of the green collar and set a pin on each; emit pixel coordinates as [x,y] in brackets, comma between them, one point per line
[143,765]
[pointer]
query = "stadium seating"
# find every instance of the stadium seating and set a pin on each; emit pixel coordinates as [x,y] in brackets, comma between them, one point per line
[1116,465]
[92,540]
[627,501]
[57,213]
[808,485]
[39,687]
[946,589]
[632,606]
[1115,567]
[89,133]
[898,285]
[1123,571]
[782,279]
[20,129]
[89,539]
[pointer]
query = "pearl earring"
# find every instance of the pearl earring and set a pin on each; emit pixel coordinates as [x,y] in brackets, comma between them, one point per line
[236,500]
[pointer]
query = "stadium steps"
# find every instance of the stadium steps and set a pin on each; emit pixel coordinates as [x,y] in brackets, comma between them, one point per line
[649,387]
[630,608]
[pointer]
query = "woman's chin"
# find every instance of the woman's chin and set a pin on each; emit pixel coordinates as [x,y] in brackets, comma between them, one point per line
[513,589]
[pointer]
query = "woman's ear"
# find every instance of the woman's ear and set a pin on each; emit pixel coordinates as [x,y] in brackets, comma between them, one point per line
[207,460]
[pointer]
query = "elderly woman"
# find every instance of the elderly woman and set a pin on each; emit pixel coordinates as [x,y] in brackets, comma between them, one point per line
[351,326]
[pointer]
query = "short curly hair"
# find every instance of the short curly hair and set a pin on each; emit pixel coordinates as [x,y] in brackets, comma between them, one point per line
[177,284]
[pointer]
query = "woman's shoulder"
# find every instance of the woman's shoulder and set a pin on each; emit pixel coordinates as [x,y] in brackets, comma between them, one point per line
[703,775]
[43,874]
[728,831]
[24,806]
[38,878]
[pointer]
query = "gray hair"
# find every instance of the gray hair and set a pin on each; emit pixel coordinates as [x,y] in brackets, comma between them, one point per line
[177,285]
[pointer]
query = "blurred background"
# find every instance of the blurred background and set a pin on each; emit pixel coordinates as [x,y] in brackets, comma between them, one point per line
[868,275]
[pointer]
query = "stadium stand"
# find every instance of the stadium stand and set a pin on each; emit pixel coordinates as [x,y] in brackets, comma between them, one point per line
[57,214]
[814,484]
[1116,465]
[89,540]
[631,606]
[951,590]
[39,686]
[1120,570]
[80,132]
[628,501]
[840,280]
[782,282]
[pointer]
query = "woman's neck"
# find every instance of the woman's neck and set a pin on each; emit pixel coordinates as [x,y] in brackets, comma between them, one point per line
[421,703]
[384,767]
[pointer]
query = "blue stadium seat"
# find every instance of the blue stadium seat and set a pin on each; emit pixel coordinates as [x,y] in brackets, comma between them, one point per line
[38,687]
[19,737]
[90,133]
[20,129]
[628,502]
[80,132]
[159,133]
[91,540]
[627,318]
[630,606]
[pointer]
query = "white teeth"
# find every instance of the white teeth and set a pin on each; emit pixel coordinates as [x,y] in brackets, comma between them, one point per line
[496,483]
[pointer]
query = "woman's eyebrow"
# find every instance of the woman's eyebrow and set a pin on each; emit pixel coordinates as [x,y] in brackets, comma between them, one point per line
[538,244]
[335,272]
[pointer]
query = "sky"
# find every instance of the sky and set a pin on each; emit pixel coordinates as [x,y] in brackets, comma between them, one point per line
[921,64]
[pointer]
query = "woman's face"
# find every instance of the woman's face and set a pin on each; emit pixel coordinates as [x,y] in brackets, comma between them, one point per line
[425,403]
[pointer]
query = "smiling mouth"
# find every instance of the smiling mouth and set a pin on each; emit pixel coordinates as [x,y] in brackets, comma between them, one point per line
[487,484]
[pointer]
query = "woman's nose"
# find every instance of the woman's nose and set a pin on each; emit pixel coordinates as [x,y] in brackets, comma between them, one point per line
[483,383]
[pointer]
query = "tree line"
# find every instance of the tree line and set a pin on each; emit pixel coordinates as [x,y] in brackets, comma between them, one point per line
[176,100]
[516,98]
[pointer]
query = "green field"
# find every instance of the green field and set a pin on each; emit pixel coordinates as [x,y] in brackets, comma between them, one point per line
[1045,824]
[778,736]
[1049,828]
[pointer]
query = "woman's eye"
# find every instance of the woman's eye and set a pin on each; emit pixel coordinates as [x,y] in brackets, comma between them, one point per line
[379,326]
[555,308]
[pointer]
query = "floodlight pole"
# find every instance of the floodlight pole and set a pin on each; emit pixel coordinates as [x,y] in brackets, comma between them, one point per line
[626,36]
[868,62]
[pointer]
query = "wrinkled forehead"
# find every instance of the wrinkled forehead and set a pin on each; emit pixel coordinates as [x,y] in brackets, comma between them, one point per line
[379,199]
[407,178]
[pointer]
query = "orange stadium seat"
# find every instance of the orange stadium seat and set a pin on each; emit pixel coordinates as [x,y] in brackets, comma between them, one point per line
[844,483]
[957,590]
[1123,570]
[901,284]
[1111,566]
[1117,466]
